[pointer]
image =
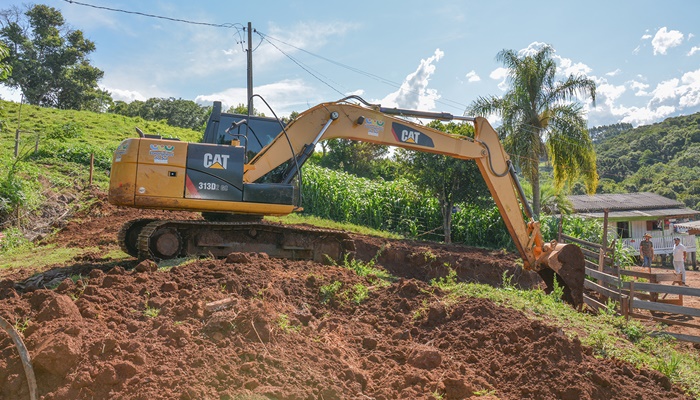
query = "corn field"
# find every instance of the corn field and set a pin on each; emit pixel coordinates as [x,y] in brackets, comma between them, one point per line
[400,207]
[396,206]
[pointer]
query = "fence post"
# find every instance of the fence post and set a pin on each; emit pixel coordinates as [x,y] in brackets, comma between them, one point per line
[92,166]
[604,248]
[630,299]
[16,143]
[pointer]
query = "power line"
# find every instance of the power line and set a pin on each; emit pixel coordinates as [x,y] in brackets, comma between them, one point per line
[239,27]
[156,16]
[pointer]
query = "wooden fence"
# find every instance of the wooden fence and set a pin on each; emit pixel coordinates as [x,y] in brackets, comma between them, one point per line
[641,295]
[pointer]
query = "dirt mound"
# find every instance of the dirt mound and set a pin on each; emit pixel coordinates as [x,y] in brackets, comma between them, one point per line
[255,327]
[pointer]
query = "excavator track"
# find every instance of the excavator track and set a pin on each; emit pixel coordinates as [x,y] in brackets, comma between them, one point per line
[167,239]
[129,233]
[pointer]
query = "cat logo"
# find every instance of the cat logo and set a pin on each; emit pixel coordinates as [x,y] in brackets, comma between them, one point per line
[215,161]
[409,136]
[406,134]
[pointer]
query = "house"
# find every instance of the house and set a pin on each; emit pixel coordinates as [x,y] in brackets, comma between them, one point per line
[631,215]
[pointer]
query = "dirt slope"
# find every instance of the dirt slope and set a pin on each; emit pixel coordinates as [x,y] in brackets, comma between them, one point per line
[274,336]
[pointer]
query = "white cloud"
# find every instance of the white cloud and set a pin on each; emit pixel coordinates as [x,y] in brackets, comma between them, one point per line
[646,36]
[500,74]
[665,39]
[639,88]
[610,93]
[284,96]
[472,76]
[693,50]
[666,90]
[414,92]
[125,95]
[690,89]
[614,73]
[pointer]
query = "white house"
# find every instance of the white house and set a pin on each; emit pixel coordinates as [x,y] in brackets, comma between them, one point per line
[631,215]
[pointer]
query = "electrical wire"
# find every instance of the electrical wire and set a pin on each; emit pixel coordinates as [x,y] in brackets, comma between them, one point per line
[154,16]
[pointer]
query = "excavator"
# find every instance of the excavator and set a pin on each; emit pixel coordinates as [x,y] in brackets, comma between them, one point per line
[248,167]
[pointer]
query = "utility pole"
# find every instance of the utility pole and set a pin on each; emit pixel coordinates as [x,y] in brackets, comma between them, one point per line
[250,69]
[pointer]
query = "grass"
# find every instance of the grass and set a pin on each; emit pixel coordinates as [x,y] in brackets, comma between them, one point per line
[39,257]
[609,336]
[296,219]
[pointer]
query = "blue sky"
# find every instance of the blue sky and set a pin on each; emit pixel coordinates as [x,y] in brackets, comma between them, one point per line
[643,55]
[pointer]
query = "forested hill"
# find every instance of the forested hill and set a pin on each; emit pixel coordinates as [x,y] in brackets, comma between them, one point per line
[662,158]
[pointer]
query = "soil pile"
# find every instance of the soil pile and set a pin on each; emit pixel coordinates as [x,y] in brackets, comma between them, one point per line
[253,327]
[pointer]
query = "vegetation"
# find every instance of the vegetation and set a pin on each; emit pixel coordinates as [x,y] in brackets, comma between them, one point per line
[541,121]
[662,158]
[49,61]
[448,179]
[54,152]
[175,112]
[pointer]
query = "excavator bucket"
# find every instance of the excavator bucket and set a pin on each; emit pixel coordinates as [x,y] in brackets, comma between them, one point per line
[565,264]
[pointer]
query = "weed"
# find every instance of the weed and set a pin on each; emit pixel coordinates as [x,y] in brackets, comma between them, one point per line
[285,325]
[507,281]
[151,312]
[446,282]
[367,269]
[21,325]
[600,342]
[557,292]
[330,291]
[633,330]
[669,366]
[428,256]
[360,293]
[437,395]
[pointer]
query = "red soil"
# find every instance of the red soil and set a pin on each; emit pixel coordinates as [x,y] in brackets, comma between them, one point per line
[274,336]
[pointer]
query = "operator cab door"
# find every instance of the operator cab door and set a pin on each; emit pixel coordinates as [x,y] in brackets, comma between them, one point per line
[214,172]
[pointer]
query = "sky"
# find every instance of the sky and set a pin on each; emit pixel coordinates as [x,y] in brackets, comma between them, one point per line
[643,55]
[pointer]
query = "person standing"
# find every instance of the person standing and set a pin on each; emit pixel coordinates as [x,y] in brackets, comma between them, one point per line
[646,251]
[679,254]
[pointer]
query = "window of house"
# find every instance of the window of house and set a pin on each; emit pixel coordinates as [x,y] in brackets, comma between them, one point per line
[657,225]
[623,229]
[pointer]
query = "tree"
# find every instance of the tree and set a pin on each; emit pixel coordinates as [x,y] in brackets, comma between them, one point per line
[541,120]
[5,67]
[176,112]
[450,179]
[358,158]
[50,61]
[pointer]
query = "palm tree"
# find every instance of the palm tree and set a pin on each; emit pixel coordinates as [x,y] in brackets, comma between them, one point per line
[541,120]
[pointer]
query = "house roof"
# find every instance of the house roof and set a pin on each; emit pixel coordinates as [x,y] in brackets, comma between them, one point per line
[689,225]
[629,206]
[643,214]
[622,202]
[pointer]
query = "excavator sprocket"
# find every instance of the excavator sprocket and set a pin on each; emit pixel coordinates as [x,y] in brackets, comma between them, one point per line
[167,239]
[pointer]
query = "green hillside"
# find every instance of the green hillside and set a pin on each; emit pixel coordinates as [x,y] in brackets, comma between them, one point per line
[54,152]
[662,158]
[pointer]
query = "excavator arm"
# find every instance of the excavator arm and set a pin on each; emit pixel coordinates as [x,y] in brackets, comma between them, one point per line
[374,124]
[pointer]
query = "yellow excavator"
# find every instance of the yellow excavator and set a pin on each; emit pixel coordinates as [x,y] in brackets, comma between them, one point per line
[245,168]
